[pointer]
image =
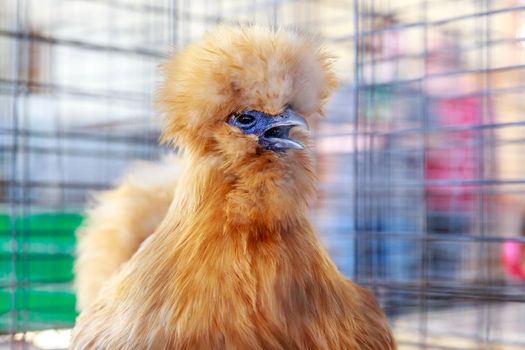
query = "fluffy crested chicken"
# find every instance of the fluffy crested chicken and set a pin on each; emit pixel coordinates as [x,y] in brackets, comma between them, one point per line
[119,221]
[235,263]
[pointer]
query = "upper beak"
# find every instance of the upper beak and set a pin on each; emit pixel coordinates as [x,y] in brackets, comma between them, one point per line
[276,134]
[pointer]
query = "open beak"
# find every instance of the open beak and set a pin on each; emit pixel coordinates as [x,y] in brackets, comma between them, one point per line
[275,135]
[273,131]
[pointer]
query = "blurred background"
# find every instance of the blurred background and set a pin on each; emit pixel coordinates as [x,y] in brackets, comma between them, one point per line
[421,157]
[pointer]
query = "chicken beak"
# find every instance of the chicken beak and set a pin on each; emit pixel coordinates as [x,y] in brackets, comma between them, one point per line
[275,136]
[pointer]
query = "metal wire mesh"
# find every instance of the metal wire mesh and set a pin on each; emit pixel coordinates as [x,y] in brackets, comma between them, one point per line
[420,159]
[437,185]
[76,84]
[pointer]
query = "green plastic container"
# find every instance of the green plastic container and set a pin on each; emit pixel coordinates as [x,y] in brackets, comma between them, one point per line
[36,270]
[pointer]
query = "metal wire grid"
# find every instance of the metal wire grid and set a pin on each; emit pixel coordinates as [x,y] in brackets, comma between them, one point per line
[76,89]
[439,118]
[76,84]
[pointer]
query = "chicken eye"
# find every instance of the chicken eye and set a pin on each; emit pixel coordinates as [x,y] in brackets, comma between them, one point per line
[245,119]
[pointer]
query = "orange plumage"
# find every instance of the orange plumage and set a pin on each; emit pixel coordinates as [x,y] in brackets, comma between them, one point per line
[236,264]
[118,221]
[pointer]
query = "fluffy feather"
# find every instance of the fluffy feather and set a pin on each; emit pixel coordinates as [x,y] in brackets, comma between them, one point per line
[236,264]
[118,221]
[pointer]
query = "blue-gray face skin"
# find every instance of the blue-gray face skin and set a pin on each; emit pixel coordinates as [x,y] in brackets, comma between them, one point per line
[271,130]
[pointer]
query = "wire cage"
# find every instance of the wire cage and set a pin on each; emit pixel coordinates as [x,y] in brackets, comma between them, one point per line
[76,83]
[420,160]
[438,186]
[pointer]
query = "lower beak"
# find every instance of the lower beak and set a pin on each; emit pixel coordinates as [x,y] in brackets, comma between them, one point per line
[276,135]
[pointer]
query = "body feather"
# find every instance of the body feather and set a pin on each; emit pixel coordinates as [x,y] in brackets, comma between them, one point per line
[118,221]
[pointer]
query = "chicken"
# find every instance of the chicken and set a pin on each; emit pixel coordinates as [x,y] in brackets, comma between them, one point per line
[119,220]
[235,263]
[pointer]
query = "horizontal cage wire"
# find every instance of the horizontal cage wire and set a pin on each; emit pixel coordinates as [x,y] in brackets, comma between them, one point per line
[420,159]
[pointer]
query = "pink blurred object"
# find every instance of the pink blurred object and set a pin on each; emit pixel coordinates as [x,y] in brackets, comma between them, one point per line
[513,260]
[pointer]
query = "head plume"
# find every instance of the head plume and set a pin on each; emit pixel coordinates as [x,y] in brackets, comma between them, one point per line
[232,69]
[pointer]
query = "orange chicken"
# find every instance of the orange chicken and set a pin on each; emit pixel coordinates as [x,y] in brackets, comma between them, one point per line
[236,263]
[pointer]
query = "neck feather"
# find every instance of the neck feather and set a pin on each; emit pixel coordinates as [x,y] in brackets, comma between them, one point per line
[266,195]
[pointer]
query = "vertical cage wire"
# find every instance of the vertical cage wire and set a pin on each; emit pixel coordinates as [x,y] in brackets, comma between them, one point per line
[420,157]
